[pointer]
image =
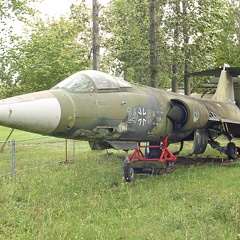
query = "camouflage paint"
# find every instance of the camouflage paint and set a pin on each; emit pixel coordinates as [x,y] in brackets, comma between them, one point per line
[120,114]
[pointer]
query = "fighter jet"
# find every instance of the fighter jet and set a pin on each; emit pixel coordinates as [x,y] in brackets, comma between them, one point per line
[110,112]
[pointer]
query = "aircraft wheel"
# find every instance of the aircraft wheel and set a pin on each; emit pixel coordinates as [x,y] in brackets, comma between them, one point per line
[231,150]
[128,173]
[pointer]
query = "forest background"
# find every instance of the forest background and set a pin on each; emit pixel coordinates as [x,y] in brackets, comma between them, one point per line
[152,42]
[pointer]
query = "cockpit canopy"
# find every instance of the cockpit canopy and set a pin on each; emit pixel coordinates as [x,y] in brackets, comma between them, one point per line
[92,80]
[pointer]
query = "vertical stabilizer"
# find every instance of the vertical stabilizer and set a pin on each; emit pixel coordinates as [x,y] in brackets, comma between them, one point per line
[224,91]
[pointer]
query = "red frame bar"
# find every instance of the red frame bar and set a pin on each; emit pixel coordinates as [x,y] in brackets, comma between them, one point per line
[166,154]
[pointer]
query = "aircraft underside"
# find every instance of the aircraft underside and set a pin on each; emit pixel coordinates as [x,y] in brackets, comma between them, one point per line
[145,157]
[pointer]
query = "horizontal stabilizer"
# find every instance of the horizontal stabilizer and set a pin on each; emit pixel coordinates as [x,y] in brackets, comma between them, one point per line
[233,71]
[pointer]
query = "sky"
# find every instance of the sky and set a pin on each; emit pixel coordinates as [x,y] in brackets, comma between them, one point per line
[51,8]
[56,8]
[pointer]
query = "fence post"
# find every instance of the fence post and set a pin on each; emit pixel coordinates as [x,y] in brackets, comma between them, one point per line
[13,156]
[66,150]
[74,150]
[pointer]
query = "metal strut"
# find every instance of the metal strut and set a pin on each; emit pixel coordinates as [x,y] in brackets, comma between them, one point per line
[164,156]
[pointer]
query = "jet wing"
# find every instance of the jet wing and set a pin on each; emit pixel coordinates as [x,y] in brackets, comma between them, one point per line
[232,125]
[223,120]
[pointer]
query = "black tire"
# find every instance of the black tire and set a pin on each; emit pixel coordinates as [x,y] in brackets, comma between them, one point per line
[231,150]
[128,173]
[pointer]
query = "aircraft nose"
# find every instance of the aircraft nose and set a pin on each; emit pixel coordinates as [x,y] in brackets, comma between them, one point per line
[38,112]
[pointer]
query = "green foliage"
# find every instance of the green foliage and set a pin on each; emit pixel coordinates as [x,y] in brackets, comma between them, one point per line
[52,53]
[10,12]
[48,52]
[128,47]
[196,36]
[52,50]
[198,31]
[127,43]
[15,8]
[228,41]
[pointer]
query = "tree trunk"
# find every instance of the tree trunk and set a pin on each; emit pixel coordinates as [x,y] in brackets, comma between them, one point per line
[176,43]
[186,49]
[153,45]
[95,36]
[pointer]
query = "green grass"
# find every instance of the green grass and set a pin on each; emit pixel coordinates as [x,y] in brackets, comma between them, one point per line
[90,200]
[32,152]
[16,134]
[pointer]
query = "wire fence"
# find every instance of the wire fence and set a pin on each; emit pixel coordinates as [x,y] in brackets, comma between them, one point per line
[27,154]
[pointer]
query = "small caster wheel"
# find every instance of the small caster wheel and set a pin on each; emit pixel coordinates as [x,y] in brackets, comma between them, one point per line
[128,172]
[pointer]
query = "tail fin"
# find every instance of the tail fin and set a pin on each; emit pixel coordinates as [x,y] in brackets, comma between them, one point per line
[225,90]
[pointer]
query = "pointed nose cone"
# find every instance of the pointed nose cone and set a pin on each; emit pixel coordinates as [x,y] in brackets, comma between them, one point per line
[38,112]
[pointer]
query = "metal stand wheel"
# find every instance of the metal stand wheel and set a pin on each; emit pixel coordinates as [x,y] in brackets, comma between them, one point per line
[128,172]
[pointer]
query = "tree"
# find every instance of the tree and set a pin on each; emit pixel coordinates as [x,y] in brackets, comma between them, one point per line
[175,47]
[128,23]
[11,11]
[153,44]
[52,53]
[192,28]
[128,47]
[95,35]
[228,42]
[186,37]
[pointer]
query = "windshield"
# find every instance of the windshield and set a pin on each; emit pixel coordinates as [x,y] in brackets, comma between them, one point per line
[89,80]
[102,80]
[81,83]
[77,82]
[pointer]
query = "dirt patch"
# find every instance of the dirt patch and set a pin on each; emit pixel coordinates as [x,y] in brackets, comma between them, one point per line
[186,161]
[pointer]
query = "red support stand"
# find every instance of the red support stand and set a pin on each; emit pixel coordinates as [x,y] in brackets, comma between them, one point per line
[165,155]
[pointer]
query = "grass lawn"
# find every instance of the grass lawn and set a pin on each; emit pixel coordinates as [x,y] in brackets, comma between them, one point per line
[90,200]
